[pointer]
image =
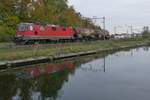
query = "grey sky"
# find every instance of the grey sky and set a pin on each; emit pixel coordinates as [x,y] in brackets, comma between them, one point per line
[117,12]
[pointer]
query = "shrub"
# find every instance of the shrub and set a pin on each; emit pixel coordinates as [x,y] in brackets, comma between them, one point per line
[146,34]
[6,33]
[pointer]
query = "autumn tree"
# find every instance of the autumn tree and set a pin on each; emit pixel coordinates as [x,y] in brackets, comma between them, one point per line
[44,11]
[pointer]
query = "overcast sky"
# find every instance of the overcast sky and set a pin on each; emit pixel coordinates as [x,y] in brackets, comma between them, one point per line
[117,12]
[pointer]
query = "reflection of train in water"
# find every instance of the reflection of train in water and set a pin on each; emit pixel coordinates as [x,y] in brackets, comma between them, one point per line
[46,69]
[39,81]
[28,33]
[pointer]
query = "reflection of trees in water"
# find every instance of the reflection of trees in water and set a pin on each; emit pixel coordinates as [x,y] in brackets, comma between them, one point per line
[24,85]
[44,86]
[91,68]
[146,48]
[7,88]
[11,86]
[50,85]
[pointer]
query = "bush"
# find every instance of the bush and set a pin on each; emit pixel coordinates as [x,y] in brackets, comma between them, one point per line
[11,21]
[6,34]
[8,28]
[146,34]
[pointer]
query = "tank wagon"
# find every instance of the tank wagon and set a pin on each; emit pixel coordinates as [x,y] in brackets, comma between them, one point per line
[28,33]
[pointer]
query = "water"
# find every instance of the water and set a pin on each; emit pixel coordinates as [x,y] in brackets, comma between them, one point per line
[122,75]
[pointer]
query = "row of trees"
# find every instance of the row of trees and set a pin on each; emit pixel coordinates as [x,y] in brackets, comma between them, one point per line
[146,32]
[43,11]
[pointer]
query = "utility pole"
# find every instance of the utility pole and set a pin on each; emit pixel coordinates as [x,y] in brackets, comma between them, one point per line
[131,29]
[104,27]
[104,63]
[127,31]
[46,6]
[115,30]
[104,22]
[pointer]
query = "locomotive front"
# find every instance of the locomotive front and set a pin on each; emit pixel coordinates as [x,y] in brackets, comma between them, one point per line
[24,31]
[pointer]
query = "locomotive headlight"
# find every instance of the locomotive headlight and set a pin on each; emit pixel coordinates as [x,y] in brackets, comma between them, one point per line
[19,35]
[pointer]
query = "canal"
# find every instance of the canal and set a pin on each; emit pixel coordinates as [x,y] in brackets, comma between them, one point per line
[122,75]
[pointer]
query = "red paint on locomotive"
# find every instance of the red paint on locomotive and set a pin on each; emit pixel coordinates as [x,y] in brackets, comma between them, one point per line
[34,30]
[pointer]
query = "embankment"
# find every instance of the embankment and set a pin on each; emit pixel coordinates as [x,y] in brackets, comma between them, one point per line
[36,54]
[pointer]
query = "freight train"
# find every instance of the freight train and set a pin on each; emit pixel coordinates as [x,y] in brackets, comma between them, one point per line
[30,33]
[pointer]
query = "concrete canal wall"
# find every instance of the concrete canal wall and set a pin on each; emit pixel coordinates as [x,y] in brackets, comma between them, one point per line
[24,62]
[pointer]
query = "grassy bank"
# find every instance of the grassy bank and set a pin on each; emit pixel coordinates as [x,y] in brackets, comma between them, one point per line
[36,51]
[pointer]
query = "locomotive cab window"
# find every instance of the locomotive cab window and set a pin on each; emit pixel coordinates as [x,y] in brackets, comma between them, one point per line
[25,27]
[22,27]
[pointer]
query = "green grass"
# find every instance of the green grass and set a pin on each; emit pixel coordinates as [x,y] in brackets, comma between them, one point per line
[37,51]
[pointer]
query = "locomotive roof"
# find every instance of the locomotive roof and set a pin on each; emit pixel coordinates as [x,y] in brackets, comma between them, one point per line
[26,23]
[52,25]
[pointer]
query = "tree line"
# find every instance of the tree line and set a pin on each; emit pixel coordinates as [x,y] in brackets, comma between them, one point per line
[13,12]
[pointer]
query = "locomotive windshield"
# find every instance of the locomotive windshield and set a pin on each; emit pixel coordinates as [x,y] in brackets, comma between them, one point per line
[24,26]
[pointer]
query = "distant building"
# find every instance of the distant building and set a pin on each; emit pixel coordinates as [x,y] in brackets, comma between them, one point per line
[126,35]
[122,36]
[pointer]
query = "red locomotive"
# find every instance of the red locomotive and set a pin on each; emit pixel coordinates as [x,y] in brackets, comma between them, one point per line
[31,33]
